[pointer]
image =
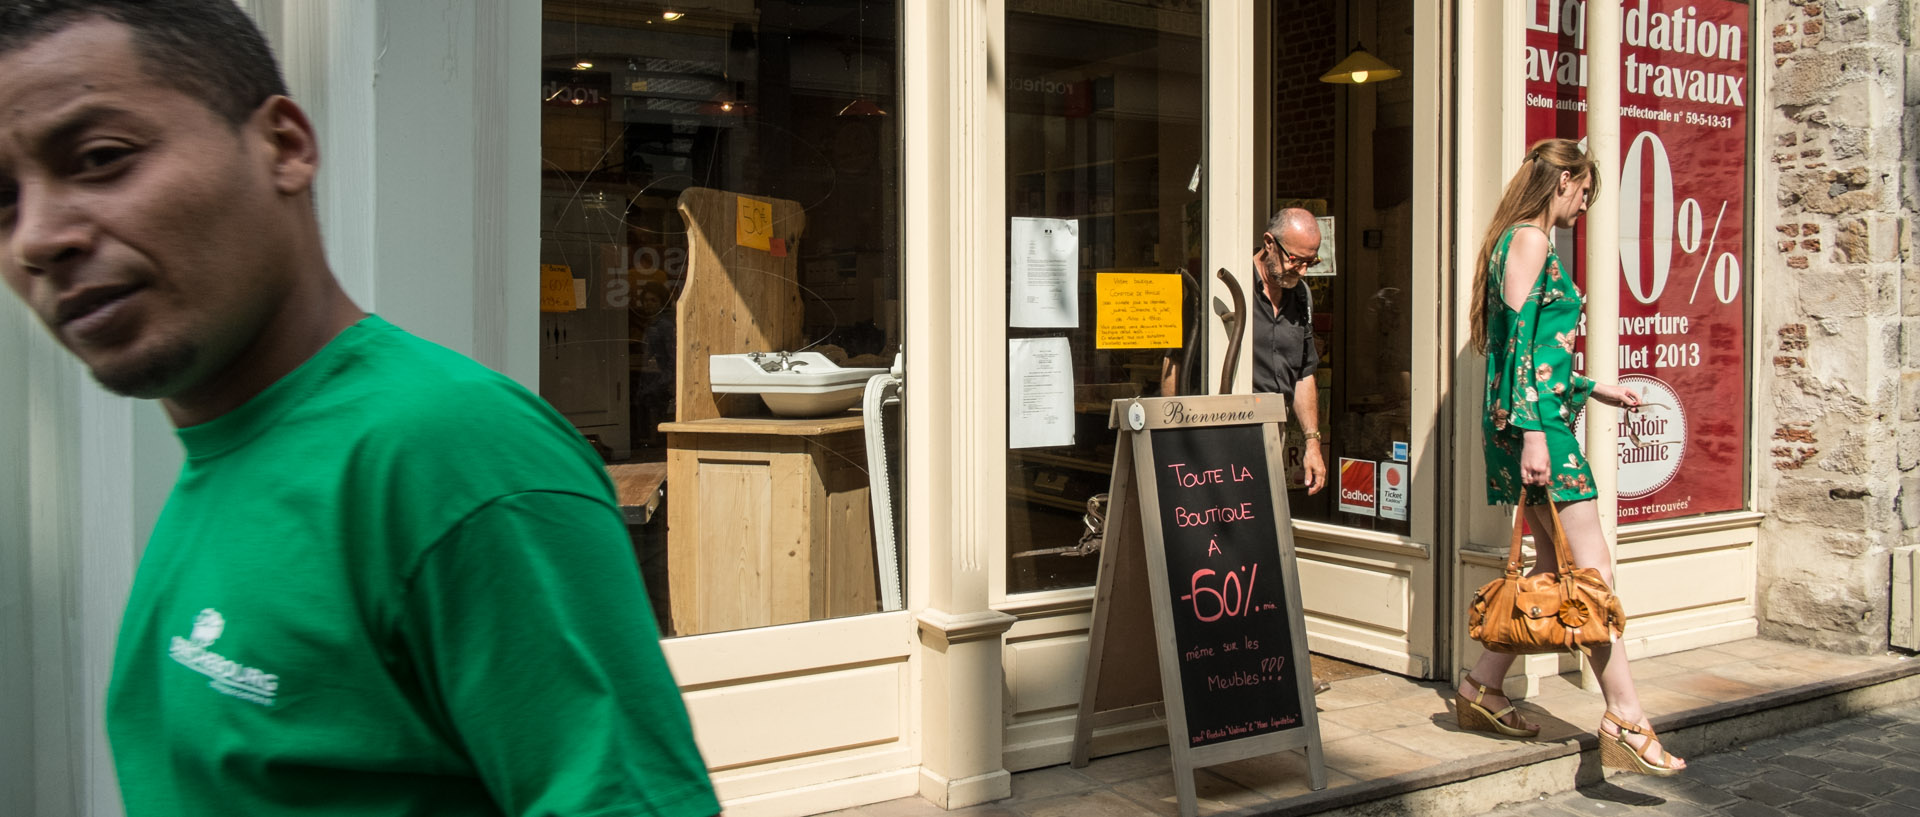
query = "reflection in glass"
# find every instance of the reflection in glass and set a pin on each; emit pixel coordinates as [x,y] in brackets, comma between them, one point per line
[723,181]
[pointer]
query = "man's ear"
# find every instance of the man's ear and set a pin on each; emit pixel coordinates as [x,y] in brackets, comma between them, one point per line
[288,135]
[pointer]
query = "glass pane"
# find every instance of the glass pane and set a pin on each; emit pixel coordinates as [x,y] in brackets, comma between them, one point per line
[1104,138]
[1346,151]
[720,279]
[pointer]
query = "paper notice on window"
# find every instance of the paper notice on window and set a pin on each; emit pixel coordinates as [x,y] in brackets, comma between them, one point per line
[556,289]
[1045,255]
[1039,392]
[1136,311]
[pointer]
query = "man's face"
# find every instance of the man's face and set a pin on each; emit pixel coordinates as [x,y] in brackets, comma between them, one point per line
[1290,251]
[134,221]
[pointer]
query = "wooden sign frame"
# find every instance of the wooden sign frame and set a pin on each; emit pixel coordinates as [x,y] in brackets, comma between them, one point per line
[1134,535]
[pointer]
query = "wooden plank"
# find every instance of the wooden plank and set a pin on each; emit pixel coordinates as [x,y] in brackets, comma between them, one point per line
[736,299]
[1202,410]
[636,486]
[1121,508]
[783,426]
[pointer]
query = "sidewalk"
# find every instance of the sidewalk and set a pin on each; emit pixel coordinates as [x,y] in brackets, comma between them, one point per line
[1865,765]
[1392,747]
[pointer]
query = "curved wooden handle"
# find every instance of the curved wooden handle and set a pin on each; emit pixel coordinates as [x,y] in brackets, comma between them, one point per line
[1236,322]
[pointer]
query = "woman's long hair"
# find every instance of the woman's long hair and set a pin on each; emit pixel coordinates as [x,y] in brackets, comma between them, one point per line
[1529,193]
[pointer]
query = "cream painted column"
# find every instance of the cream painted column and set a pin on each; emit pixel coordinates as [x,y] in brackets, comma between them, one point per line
[954,130]
[1603,254]
[1603,271]
[1233,218]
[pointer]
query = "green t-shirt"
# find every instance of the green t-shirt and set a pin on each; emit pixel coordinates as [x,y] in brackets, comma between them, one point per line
[395,583]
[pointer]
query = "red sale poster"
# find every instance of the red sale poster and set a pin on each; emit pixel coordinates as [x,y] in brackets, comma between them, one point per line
[1683,213]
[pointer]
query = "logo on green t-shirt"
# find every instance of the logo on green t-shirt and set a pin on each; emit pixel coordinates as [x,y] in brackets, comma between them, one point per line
[228,677]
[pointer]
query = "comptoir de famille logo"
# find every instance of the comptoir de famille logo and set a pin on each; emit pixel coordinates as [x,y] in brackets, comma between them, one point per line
[249,684]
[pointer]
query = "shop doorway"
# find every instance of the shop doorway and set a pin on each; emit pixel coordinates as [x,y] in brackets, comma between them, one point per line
[1343,146]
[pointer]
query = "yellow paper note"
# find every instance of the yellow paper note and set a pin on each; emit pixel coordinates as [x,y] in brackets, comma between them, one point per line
[1137,310]
[556,288]
[754,227]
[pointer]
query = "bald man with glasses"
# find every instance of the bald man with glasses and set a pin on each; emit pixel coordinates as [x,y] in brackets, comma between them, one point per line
[1281,330]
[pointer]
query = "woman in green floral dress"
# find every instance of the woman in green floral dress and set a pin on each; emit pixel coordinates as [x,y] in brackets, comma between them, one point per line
[1526,319]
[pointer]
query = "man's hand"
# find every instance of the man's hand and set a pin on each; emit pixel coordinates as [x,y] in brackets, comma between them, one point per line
[1535,467]
[1316,468]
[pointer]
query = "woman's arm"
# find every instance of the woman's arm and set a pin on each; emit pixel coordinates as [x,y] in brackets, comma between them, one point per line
[1526,254]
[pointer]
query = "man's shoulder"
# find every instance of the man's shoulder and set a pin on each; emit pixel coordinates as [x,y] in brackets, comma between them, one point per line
[409,399]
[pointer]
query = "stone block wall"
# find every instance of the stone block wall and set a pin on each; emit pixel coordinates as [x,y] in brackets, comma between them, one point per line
[1839,322]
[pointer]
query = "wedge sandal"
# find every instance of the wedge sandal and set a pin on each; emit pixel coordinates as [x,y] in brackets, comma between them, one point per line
[1617,753]
[1474,717]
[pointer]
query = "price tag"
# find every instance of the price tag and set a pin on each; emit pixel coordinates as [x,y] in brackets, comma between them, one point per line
[556,288]
[753,227]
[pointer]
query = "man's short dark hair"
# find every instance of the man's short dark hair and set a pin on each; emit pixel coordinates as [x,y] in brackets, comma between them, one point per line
[207,49]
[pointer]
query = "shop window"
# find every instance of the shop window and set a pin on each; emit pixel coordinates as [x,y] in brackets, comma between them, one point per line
[1345,152]
[1105,117]
[720,287]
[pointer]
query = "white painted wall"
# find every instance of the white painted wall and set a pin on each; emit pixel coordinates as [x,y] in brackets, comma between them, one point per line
[429,129]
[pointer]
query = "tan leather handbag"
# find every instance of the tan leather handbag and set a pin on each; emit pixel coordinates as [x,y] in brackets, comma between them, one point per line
[1573,609]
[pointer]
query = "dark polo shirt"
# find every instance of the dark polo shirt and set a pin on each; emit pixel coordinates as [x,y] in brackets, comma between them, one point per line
[1283,350]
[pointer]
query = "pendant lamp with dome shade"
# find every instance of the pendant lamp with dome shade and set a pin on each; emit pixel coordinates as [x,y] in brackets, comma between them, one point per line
[1360,68]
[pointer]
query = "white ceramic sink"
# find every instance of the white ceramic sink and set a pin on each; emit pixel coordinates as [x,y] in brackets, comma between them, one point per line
[802,384]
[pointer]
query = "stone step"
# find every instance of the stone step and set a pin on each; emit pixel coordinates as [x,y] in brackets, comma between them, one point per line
[1473,786]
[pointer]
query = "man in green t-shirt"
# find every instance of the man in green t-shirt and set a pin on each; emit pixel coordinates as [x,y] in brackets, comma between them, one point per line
[388,580]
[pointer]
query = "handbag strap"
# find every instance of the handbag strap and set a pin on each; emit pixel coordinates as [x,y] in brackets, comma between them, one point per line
[1560,548]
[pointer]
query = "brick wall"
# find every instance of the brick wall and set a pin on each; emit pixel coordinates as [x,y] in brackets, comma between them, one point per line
[1839,370]
[1304,48]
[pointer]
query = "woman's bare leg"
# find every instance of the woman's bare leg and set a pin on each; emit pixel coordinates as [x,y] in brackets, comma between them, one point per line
[1493,666]
[1581,521]
[1491,669]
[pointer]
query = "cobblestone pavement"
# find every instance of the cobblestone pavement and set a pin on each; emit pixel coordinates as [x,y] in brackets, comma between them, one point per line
[1867,765]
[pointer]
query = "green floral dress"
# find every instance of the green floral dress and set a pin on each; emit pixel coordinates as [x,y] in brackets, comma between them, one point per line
[1531,385]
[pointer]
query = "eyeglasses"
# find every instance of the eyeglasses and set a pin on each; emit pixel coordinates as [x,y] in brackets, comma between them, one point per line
[1292,261]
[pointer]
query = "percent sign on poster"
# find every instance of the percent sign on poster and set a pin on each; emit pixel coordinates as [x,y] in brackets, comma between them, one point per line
[1667,226]
[1240,603]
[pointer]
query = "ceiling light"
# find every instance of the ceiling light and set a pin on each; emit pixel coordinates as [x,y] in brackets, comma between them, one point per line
[671,15]
[1359,68]
[582,65]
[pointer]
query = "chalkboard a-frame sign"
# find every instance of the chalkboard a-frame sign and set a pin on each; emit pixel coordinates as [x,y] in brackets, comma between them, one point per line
[1197,502]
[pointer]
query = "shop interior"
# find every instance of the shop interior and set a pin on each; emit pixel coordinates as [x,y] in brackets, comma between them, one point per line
[1104,134]
[1345,149]
[720,287]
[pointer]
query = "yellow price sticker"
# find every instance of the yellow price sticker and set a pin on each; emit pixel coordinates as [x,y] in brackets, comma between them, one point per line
[1137,310]
[556,288]
[754,226]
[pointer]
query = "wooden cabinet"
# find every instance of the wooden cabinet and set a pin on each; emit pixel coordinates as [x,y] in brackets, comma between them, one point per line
[769,522]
